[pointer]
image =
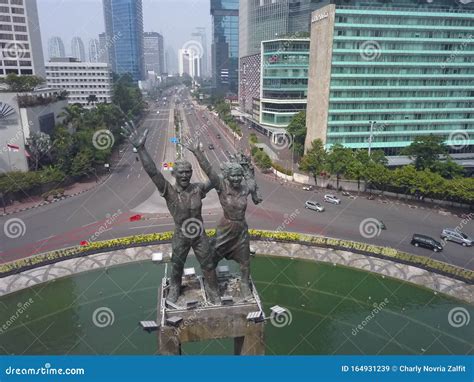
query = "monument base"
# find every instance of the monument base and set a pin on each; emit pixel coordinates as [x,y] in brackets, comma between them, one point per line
[193,318]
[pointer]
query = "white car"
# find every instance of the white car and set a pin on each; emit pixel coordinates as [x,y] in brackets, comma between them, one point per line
[315,206]
[158,112]
[308,188]
[332,199]
[135,150]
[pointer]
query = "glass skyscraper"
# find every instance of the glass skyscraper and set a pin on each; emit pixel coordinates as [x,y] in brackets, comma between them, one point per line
[263,20]
[124,28]
[284,81]
[383,73]
[225,44]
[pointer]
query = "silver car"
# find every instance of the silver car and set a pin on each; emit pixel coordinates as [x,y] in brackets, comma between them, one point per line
[332,199]
[456,236]
[315,206]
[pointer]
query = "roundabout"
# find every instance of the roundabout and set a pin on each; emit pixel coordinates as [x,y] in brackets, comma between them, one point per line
[338,301]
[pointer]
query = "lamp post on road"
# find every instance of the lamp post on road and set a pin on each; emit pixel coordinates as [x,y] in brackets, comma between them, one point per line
[372,123]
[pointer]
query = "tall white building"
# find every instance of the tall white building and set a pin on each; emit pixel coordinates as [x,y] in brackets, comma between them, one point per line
[94,50]
[81,79]
[56,47]
[77,49]
[20,38]
[189,63]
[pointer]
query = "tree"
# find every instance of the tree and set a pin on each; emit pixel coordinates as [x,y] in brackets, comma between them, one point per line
[62,148]
[314,159]
[82,164]
[338,161]
[297,128]
[91,99]
[73,116]
[425,150]
[22,83]
[39,145]
[448,169]
[262,160]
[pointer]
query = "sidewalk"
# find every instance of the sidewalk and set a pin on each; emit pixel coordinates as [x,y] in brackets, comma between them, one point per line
[38,201]
[70,191]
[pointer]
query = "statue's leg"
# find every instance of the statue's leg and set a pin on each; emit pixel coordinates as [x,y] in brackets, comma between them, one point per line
[180,247]
[205,257]
[245,280]
[243,258]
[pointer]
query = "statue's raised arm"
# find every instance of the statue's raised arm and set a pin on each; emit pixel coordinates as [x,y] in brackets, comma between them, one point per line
[214,177]
[138,141]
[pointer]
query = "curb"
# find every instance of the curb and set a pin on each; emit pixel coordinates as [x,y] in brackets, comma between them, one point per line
[52,201]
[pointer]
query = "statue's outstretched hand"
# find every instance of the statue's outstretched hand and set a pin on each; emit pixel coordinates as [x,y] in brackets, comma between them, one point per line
[131,133]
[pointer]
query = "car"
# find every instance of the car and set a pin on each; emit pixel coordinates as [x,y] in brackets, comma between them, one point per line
[135,150]
[308,188]
[454,235]
[332,199]
[315,206]
[211,147]
[218,136]
[382,224]
[158,112]
[419,240]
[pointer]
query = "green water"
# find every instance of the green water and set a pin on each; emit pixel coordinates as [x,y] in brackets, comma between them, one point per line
[326,302]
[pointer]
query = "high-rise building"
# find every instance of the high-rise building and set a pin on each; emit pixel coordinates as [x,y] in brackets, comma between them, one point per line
[77,49]
[382,73]
[94,50]
[225,44]
[189,63]
[261,20]
[20,39]
[103,48]
[124,31]
[171,60]
[200,34]
[154,52]
[284,81]
[81,79]
[56,47]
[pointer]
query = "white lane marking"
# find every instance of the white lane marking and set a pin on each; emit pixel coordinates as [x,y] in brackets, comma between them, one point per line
[128,176]
[88,224]
[46,238]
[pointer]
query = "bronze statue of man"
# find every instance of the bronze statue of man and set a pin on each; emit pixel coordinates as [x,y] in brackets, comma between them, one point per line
[232,239]
[184,203]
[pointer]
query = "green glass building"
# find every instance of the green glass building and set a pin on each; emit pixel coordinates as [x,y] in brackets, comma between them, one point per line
[284,80]
[384,72]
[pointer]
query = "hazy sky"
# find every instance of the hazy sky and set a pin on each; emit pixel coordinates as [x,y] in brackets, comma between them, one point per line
[175,19]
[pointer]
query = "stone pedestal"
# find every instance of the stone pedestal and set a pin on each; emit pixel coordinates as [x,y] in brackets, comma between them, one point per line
[194,318]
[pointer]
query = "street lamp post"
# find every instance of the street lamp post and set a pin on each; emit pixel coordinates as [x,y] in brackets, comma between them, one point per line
[292,156]
[372,123]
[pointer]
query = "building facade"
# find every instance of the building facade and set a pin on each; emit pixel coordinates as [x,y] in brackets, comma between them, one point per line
[81,80]
[20,39]
[225,45]
[103,48]
[284,80]
[22,114]
[382,75]
[154,52]
[124,35]
[77,49]
[189,63]
[261,20]
[56,47]
[94,50]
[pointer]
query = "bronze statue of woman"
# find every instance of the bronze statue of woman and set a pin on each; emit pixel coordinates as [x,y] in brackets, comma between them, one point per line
[232,239]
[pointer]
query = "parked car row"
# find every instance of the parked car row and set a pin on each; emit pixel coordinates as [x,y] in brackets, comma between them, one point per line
[418,240]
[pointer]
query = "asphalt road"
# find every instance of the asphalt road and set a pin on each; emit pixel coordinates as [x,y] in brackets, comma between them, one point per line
[104,212]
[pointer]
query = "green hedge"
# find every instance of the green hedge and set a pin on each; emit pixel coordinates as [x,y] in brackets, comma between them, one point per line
[282,169]
[164,237]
